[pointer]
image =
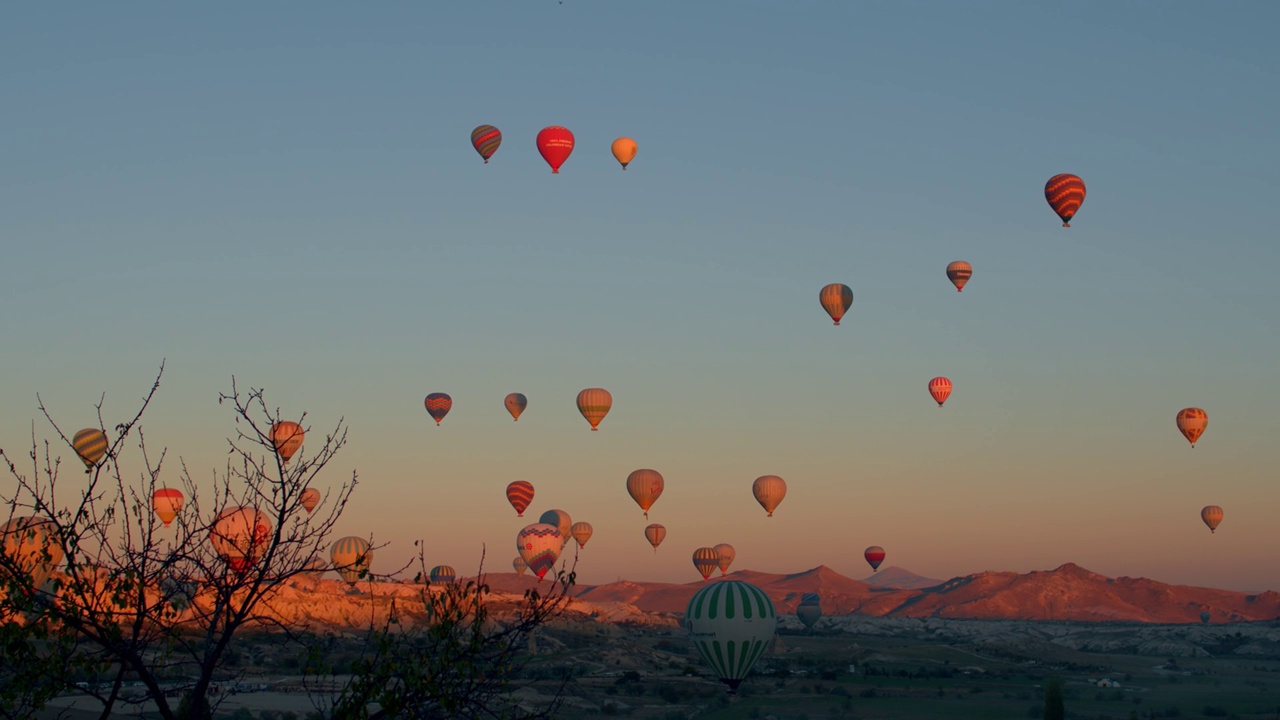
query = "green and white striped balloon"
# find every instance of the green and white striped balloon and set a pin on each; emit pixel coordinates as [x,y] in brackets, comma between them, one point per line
[731,624]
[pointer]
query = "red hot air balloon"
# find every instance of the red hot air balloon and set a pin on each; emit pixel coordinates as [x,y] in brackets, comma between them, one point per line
[555,143]
[438,405]
[1192,422]
[874,556]
[959,273]
[486,139]
[1065,193]
[645,487]
[520,494]
[310,499]
[940,389]
[286,438]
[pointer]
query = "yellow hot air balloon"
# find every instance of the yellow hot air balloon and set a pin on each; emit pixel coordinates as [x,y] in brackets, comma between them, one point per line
[91,445]
[769,491]
[351,557]
[30,545]
[1211,515]
[624,150]
[655,534]
[727,555]
[167,503]
[836,299]
[1192,422]
[594,404]
[645,487]
[520,565]
[581,533]
[706,560]
[286,437]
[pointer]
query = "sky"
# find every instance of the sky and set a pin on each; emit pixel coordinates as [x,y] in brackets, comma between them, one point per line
[287,195]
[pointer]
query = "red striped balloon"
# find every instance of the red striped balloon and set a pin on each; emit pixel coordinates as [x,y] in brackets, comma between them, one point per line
[940,389]
[1065,193]
[520,494]
[438,405]
[555,143]
[874,555]
[486,139]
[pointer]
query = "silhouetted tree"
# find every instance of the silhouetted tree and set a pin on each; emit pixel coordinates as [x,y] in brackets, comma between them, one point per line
[1053,705]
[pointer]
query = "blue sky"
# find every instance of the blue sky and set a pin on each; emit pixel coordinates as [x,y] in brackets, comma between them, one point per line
[287,194]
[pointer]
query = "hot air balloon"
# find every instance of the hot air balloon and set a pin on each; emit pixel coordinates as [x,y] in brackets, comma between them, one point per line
[31,546]
[706,560]
[515,403]
[874,556]
[645,487]
[520,494]
[443,574]
[178,593]
[1065,193]
[351,557]
[726,553]
[594,404]
[769,491]
[581,533]
[624,151]
[310,498]
[555,143]
[655,534]
[486,139]
[1204,616]
[940,389]
[810,610]
[520,565]
[836,299]
[1212,516]
[91,445]
[167,502]
[560,520]
[240,535]
[286,437]
[539,545]
[731,623]
[959,273]
[1192,423]
[438,405]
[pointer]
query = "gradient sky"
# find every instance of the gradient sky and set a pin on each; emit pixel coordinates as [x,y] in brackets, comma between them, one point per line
[286,193]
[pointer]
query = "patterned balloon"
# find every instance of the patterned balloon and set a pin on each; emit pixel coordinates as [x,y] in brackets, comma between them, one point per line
[91,445]
[351,557]
[286,438]
[31,546]
[706,560]
[959,273]
[810,598]
[1192,423]
[438,405]
[167,502]
[940,389]
[624,151]
[645,487]
[874,555]
[443,574]
[836,299]
[769,491]
[240,535]
[1211,515]
[594,404]
[520,494]
[310,499]
[1065,193]
[731,624]
[655,534]
[515,403]
[539,545]
[486,139]
[726,554]
[520,565]
[556,144]
[581,533]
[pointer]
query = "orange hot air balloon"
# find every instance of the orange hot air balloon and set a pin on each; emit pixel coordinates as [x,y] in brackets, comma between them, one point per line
[310,499]
[581,532]
[959,273]
[1065,193]
[655,534]
[486,139]
[645,487]
[286,437]
[727,554]
[769,491]
[836,299]
[940,389]
[438,405]
[520,494]
[91,445]
[624,150]
[1192,423]
[240,535]
[874,555]
[706,560]
[594,404]
[515,403]
[1212,516]
[167,502]
[555,143]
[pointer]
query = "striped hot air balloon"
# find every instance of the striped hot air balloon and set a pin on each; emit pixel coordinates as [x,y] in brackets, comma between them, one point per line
[286,438]
[539,545]
[874,555]
[520,566]
[443,574]
[731,624]
[706,560]
[486,139]
[561,521]
[438,405]
[351,557]
[30,545]
[655,534]
[727,555]
[594,404]
[624,151]
[836,299]
[581,532]
[769,491]
[959,273]
[91,445]
[555,143]
[645,487]
[1192,422]
[167,503]
[310,498]
[240,535]
[520,494]
[1065,194]
[1211,515]
[940,389]
[515,403]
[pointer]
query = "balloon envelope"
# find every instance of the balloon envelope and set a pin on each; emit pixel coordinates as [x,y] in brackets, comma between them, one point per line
[1212,516]
[727,554]
[486,139]
[581,533]
[539,545]
[351,557]
[624,151]
[769,491]
[731,624]
[286,438]
[520,494]
[940,390]
[561,521]
[594,404]
[645,487]
[438,405]
[167,502]
[240,535]
[310,498]
[874,555]
[809,615]
[1192,423]
[515,403]
[959,273]
[1065,194]
[706,560]
[655,534]
[91,445]
[555,143]
[443,574]
[520,565]
[836,299]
